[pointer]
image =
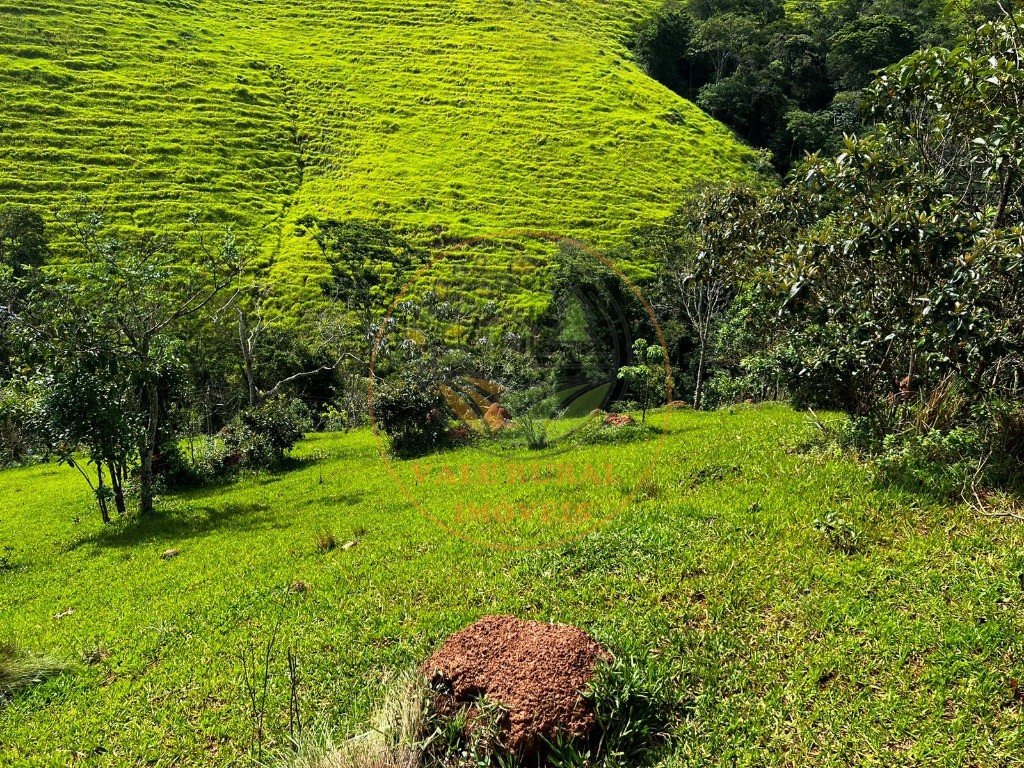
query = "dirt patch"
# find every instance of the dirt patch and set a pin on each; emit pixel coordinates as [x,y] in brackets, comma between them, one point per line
[536,672]
[616,420]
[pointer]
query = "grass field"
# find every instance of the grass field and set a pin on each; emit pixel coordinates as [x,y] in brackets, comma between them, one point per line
[890,636]
[461,117]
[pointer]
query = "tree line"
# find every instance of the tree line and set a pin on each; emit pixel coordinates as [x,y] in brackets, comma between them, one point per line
[791,77]
[887,280]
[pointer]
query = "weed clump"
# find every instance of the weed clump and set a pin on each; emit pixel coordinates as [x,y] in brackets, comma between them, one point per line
[20,669]
[325,540]
[840,534]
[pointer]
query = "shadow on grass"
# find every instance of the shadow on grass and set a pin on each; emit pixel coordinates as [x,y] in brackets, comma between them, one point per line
[937,487]
[179,524]
[331,501]
[199,510]
[188,484]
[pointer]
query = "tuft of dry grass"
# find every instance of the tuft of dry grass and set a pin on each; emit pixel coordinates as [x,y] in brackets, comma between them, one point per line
[325,540]
[394,740]
[19,669]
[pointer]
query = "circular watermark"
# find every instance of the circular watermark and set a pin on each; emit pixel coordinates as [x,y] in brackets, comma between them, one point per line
[522,350]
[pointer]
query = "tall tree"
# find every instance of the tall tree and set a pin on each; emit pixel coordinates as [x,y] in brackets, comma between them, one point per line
[898,265]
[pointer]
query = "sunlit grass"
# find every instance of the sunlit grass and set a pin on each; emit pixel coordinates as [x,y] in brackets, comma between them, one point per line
[463,117]
[785,648]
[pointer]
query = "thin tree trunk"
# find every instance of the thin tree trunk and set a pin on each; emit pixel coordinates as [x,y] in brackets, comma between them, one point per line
[698,392]
[101,495]
[245,342]
[1004,198]
[146,479]
[117,483]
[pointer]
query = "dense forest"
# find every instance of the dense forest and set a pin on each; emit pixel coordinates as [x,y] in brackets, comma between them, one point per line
[790,78]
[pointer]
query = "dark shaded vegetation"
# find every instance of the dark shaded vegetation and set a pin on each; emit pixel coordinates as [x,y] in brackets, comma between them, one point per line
[887,281]
[790,78]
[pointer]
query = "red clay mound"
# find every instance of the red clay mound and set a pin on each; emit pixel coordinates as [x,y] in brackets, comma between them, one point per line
[536,672]
[618,421]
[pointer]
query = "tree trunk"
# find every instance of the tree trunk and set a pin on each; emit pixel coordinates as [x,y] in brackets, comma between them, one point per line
[1004,198]
[698,391]
[146,479]
[247,359]
[101,494]
[117,483]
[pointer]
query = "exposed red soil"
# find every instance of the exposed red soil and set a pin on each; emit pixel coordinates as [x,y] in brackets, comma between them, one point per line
[618,421]
[536,672]
[460,434]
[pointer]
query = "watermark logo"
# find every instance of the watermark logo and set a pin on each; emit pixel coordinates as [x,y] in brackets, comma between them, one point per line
[498,393]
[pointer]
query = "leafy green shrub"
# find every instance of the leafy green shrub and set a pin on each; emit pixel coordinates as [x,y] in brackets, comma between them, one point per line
[171,465]
[259,438]
[946,464]
[540,402]
[208,460]
[758,380]
[17,440]
[336,419]
[635,706]
[412,415]
[255,439]
[534,432]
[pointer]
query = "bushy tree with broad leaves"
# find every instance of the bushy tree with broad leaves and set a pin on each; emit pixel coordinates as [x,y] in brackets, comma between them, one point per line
[897,266]
[101,333]
[648,375]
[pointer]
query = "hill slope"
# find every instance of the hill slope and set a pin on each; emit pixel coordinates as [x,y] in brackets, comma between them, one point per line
[469,116]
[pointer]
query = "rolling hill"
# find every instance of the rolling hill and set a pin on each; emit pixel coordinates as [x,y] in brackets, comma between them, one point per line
[465,117]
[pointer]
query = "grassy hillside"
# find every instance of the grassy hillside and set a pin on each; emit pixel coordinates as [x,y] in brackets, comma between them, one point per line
[786,648]
[468,116]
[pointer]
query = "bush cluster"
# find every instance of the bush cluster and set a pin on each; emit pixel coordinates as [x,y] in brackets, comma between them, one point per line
[412,414]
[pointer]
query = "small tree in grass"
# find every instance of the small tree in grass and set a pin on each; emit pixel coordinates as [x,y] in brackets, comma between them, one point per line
[84,409]
[101,330]
[647,376]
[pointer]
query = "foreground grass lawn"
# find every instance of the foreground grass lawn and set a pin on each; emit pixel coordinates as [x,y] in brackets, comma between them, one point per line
[786,649]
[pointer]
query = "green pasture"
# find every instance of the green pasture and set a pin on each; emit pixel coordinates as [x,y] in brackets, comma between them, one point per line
[805,615]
